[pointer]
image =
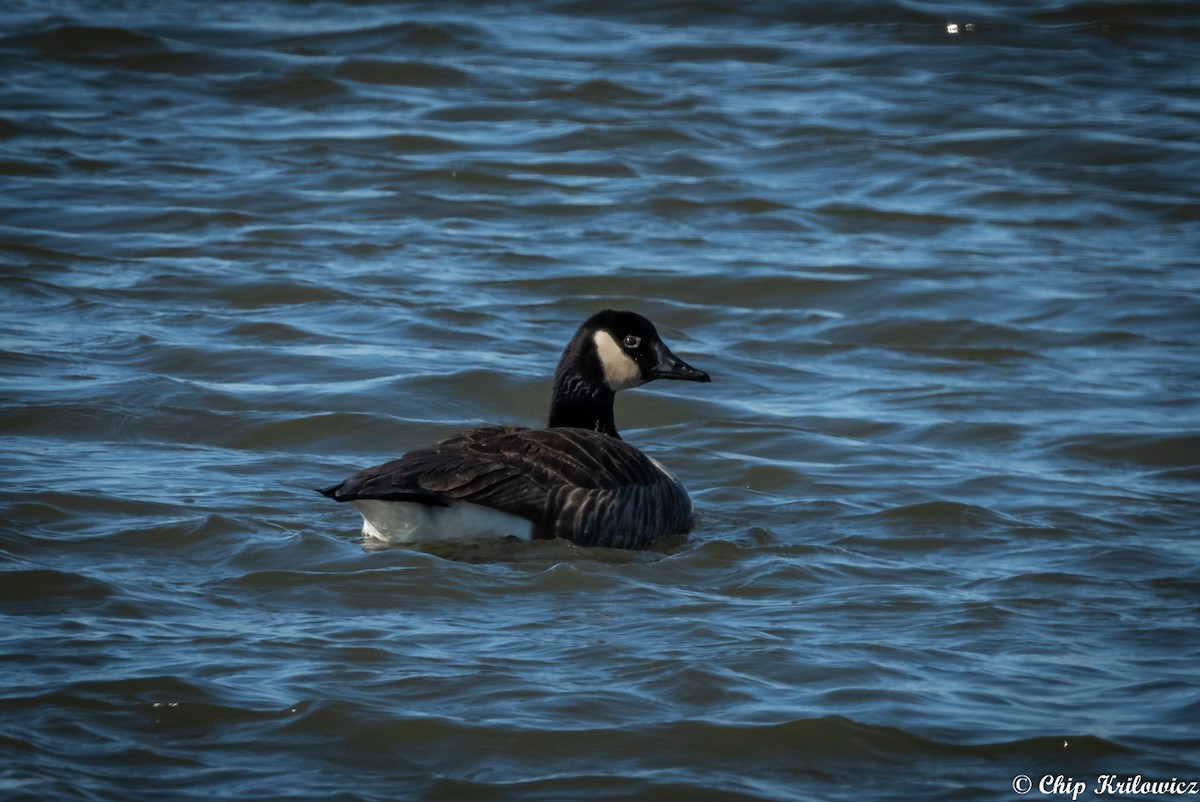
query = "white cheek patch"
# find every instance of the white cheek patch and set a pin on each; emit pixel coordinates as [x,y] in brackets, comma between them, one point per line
[620,371]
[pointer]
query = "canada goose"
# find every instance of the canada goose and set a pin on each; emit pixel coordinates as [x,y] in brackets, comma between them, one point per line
[576,479]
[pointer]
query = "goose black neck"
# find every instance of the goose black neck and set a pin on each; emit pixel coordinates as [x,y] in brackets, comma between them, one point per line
[582,403]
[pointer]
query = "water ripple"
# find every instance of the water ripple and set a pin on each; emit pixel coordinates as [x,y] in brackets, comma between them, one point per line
[939,261]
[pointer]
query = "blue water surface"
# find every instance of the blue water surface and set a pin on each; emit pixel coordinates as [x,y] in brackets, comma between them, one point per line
[940,259]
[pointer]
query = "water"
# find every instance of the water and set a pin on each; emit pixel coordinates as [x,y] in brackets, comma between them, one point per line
[946,475]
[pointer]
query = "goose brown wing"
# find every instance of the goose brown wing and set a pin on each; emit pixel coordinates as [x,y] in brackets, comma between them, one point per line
[573,483]
[447,471]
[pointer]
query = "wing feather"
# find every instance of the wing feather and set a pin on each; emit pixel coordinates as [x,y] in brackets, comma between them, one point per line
[573,483]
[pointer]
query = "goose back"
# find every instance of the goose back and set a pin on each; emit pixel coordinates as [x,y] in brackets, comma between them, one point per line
[582,485]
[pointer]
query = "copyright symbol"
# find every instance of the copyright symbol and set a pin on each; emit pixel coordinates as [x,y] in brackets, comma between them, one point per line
[1022,784]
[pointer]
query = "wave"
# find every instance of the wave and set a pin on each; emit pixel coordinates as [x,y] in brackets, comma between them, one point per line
[401,73]
[431,35]
[1143,449]
[77,40]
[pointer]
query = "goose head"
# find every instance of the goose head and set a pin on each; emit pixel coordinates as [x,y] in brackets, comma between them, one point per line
[630,352]
[612,351]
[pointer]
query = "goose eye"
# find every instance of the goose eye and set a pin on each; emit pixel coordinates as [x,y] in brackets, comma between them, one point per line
[632,341]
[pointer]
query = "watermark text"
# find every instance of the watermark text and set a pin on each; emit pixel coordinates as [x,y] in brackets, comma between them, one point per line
[1060,785]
